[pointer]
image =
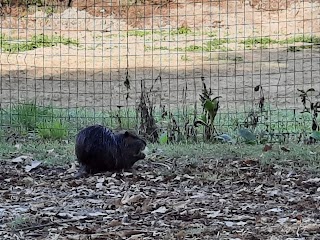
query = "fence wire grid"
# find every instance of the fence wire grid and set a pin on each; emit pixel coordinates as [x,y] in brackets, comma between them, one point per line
[143,65]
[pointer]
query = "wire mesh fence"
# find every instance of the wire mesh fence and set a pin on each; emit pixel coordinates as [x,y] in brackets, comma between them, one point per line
[144,65]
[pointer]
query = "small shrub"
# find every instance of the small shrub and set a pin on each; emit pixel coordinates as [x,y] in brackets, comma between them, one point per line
[311,107]
[210,105]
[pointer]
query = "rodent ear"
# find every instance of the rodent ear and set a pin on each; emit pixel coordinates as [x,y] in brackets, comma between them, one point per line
[126,134]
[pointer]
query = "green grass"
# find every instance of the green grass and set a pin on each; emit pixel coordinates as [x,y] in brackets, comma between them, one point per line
[299,156]
[52,130]
[50,10]
[185,58]
[263,42]
[302,38]
[161,48]
[139,33]
[54,125]
[212,34]
[147,48]
[216,45]
[181,31]
[28,117]
[193,48]
[51,152]
[8,44]
[51,123]
[28,114]
[209,46]
[258,40]
[57,153]
[26,2]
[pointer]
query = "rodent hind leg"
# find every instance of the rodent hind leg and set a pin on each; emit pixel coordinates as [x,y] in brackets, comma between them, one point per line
[82,172]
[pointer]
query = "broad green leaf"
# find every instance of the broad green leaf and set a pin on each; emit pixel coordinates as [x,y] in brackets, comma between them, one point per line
[212,108]
[311,90]
[257,88]
[225,138]
[203,118]
[163,139]
[215,103]
[247,134]
[208,105]
[315,135]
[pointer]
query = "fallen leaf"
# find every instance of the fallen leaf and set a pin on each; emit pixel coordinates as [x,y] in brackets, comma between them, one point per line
[34,164]
[285,149]
[273,193]
[21,159]
[180,205]
[114,223]
[99,185]
[181,235]
[198,195]
[28,181]
[101,180]
[249,162]
[220,200]
[18,146]
[312,180]
[73,168]
[312,228]
[97,214]
[267,148]
[282,220]
[50,151]
[258,189]
[160,210]
[213,214]
[275,210]
[129,233]
[229,224]
[188,176]
[241,223]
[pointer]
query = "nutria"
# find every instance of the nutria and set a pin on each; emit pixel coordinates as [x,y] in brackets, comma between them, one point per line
[99,149]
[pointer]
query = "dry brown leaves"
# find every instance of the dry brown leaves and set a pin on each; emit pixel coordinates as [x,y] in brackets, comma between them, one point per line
[161,199]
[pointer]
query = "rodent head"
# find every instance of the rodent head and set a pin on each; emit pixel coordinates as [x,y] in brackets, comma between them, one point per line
[134,146]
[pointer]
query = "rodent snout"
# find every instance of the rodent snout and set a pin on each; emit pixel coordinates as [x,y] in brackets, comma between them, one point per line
[143,153]
[145,150]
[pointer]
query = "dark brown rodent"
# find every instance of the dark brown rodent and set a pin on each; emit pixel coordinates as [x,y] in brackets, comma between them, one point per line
[99,149]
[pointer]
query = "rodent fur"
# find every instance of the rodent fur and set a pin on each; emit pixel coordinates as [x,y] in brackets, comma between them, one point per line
[99,149]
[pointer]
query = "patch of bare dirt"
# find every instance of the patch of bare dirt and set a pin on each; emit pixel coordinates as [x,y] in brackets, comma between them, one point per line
[93,73]
[162,199]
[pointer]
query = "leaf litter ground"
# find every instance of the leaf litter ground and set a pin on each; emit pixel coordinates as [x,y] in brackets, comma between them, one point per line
[172,198]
